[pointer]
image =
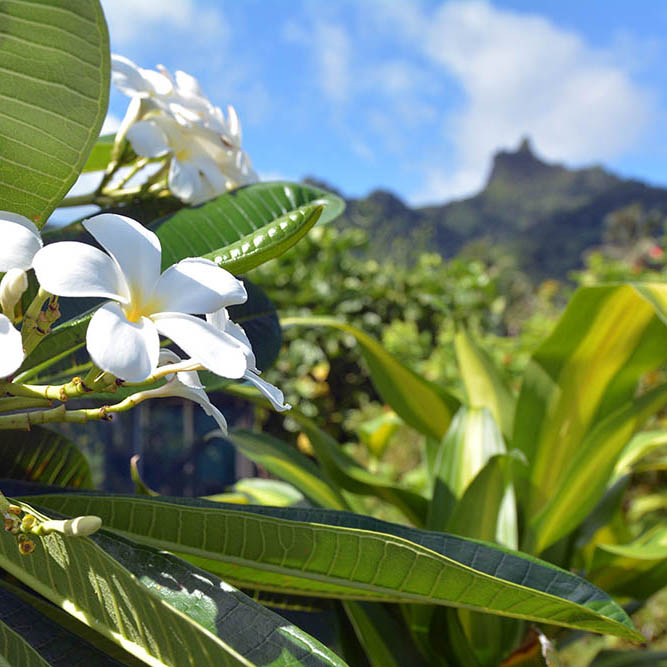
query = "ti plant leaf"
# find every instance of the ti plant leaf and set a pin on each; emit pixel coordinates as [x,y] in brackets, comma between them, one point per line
[245,228]
[484,385]
[53,102]
[336,554]
[420,403]
[608,337]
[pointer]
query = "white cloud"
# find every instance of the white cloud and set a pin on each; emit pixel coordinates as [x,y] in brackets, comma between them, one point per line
[331,53]
[523,75]
[133,21]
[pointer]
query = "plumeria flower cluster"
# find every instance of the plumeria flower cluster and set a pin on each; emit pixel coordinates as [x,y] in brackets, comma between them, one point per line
[20,242]
[142,303]
[170,116]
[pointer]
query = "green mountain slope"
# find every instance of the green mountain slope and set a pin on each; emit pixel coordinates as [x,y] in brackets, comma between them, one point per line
[545,214]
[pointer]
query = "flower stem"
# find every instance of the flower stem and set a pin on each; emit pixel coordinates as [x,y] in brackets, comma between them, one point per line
[22,403]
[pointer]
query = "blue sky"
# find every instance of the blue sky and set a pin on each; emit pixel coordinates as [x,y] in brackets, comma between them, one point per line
[415,96]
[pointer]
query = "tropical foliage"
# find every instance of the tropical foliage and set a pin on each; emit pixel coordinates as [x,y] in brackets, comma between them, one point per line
[508,537]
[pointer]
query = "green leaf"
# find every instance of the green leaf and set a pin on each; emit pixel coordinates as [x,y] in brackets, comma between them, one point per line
[28,638]
[609,658]
[590,469]
[55,88]
[73,626]
[242,229]
[285,462]
[482,508]
[330,553]
[40,455]
[100,155]
[344,472]
[377,433]
[472,439]
[268,491]
[608,337]
[382,635]
[418,402]
[155,605]
[640,446]
[485,387]
[59,345]
[636,570]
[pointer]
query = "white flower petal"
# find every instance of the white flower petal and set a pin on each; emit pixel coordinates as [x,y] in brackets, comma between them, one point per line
[127,77]
[188,378]
[197,285]
[234,125]
[188,84]
[11,348]
[184,181]
[213,349]
[275,396]
[20,241]
[136,250]
[147,139]
[69,268]
[220,320]
[129,350]
[159,83]
[212,172]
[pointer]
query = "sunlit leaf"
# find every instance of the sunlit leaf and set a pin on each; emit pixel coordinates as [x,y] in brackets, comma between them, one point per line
[55,89]
[326,552]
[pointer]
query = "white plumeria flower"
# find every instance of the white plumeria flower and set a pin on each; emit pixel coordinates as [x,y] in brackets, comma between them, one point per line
[20,242]
[220,319]
[171,116]
[122,336]
[185,384]
[201,167]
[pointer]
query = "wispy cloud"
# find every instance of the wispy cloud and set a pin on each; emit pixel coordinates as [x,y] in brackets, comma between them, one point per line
[524,75]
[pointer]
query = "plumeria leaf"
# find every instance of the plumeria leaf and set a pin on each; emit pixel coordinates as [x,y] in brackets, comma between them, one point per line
[31,639]
[156,606]
[244,228]
[40,455]
[53,102]
[290,549]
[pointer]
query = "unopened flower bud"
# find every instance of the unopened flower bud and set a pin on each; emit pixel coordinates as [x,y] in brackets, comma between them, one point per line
[81,526]
[12,286]
[26,545]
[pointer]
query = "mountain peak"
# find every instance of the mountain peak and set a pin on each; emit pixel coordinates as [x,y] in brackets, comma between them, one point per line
[520,165]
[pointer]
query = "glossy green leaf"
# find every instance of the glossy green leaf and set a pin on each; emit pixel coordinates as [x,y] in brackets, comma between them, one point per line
[155,605]
[100,155]
[420,403]
[344,472]
[485,387]
[608,337]
[285,462]
[247,227]
[590,469]
[27,638]
[330,553]
[40,455]
[53,102]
